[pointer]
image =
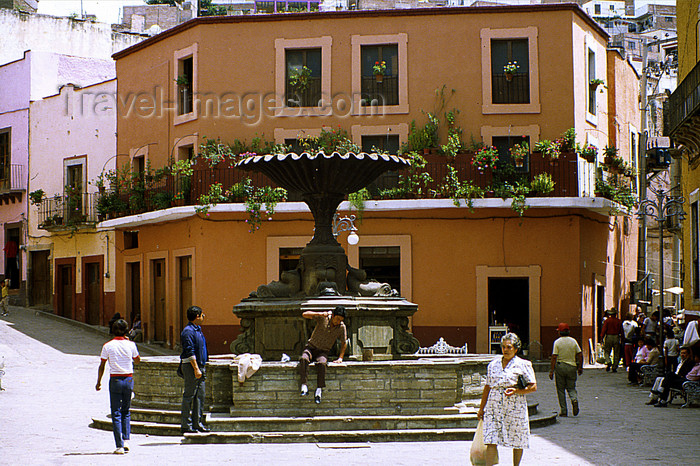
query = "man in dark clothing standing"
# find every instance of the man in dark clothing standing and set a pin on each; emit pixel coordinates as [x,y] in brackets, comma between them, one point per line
[329,328]
[610,335]
[193,360]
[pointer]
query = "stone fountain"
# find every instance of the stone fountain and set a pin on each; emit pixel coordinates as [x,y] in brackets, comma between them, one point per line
[271,317]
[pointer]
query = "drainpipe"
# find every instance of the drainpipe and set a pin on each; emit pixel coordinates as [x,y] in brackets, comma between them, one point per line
[642,242]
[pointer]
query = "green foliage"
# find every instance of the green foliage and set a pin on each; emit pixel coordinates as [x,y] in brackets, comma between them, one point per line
[357,200]
[299,78]
[456,190]
[330,140]
[542,184]
[36,197]
[551,149]
[616,191]
[568,139]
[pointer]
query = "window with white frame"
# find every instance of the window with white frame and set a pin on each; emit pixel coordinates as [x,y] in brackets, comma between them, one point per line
[591,86]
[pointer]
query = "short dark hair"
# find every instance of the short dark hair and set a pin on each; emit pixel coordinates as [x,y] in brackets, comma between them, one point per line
[119,328]
[339,311]
[193,312]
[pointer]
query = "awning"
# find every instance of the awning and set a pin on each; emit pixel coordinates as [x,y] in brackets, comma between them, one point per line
[677,290]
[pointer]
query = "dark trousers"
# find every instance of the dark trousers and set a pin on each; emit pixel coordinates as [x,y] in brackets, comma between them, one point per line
[671,381]
[191,416]
[632,375]
[120,389]
[629,352]
[321,358]
[565,379]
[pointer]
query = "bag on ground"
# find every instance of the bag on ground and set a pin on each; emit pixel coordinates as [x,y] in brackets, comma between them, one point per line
[477,454]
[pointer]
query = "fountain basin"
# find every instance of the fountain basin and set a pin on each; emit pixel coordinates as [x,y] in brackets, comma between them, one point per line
[275,326]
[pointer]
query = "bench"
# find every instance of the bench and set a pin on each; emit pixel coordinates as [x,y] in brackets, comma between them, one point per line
[650,373]
[692,393]
[442,348]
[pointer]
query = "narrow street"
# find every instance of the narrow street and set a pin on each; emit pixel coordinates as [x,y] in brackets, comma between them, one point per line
[49,398]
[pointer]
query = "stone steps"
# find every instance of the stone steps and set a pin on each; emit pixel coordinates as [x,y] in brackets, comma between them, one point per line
[452,425]
[351,431]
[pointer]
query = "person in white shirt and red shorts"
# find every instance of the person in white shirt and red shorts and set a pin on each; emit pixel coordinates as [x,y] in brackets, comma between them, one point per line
[121,354]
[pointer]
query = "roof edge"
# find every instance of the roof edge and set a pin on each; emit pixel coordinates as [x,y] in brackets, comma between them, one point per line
[202,20]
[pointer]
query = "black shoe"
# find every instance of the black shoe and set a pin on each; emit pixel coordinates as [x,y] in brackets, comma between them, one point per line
[607,368]
[203,429]
[563,415]
[575,406]
[187,431]
[614,371]
[317,399]
[661,404]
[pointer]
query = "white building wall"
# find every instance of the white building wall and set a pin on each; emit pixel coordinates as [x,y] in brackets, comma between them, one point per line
[22,31]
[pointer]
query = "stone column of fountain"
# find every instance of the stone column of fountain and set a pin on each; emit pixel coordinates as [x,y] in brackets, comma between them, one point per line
[271,318]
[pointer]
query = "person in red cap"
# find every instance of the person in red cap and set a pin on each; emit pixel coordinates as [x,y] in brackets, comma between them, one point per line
[566,363]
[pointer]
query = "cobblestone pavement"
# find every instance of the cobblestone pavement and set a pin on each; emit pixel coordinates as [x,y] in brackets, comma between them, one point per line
[49,398]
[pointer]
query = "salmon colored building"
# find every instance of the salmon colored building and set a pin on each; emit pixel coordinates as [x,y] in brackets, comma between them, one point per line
[468,267]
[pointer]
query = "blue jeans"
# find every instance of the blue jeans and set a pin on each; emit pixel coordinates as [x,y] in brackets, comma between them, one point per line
[120,389]
[191,416]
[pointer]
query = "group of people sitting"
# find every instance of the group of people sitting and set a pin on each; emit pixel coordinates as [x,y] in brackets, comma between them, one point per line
[680,353]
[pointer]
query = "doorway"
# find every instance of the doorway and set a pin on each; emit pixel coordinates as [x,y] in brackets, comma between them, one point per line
[133,291]
[12,243]
[599,310]
[508,304]
[185,291]
[40,279]
[93,300]
[66,289]
[158,299]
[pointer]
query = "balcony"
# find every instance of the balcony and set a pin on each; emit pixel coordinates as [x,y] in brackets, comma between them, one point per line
[682,113]
[67,212]
[513,90]
[12,184]
[380,93]
[179,191]
[309,97]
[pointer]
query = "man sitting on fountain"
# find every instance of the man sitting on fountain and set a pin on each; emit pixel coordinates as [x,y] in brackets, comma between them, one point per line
[328,329]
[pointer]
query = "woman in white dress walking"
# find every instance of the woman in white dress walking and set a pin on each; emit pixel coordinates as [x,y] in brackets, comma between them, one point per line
[503,405]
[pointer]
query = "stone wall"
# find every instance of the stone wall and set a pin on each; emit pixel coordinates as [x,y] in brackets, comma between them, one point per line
[424,386]
[139,18]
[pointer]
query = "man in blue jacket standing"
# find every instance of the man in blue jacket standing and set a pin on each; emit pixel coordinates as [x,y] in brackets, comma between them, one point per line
[193,360]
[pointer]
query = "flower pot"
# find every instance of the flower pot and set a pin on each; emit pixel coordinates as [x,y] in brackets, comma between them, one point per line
[509,76]
[608,160]
[379,78]
[519,163]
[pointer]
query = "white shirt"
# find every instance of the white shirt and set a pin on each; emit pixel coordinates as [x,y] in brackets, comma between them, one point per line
[120,354]
[628,327]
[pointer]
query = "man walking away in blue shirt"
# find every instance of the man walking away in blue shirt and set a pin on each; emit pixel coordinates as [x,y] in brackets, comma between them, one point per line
[193,360]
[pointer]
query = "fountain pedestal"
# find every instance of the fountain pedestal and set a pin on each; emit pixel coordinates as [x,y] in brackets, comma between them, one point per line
[271,327]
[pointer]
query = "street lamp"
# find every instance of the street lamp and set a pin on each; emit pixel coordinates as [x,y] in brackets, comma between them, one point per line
[346,223]
[662,209]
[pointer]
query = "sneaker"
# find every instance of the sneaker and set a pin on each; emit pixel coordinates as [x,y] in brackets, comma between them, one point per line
[574,404]
[304,390]
[119,451]
[126,446]
[317,397]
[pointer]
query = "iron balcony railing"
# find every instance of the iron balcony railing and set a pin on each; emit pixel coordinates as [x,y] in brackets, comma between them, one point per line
[684,102]
[180,191]
[12,179]
[309,97]
[381,93]
[515,90]
[68,210]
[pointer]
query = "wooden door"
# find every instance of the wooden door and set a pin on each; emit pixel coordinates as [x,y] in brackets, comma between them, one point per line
[133,290]
[185,290]
[40,279]
[158,299]
[66,288]
[93,299]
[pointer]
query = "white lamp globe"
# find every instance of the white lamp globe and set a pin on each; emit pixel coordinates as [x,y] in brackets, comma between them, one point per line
[353,238]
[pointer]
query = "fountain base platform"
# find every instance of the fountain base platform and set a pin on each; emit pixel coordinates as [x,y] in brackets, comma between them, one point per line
[271,327]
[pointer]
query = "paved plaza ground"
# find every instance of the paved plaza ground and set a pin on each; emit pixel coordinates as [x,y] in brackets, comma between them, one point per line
[49,399]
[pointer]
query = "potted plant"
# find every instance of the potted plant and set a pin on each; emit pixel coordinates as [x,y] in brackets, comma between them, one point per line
[589,153]
[518,153]
[542,184]
[36,197]
[610,154]
[485,158]
[595,82]
[551,149]
[299,77]
[379,70]
[510,69]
